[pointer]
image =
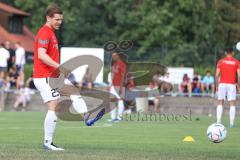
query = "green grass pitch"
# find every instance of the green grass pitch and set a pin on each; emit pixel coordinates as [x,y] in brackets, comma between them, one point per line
[21,136]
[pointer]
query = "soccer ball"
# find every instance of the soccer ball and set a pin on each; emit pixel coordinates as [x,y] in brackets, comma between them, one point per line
[238,46]
[216,132]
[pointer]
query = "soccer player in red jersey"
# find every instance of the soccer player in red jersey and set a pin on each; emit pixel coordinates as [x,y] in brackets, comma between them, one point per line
[227,69]
[46,66]
[118,72]
[46,61]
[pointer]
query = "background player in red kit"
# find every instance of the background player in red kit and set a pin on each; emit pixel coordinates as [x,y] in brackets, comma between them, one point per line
[118,72]
[46,61]
[226,71]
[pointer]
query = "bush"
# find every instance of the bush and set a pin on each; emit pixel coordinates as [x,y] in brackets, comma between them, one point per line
[28,69]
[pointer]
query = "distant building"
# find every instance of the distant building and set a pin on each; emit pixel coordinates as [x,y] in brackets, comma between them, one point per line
[12,28]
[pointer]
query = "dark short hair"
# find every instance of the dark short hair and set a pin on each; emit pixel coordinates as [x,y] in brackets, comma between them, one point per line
[53,9]
[208,71]
[229,50]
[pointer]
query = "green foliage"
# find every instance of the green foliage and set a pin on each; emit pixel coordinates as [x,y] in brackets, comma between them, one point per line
[227,21]
[106,70]
[37,10]
[188,30]
[144,72]
[202,70]
[28,69]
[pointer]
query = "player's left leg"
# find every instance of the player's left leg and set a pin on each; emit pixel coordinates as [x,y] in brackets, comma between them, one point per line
[120,109]
[121,106]
[92,121]
[80,107]
[219,110]
[114,112]
[79,104]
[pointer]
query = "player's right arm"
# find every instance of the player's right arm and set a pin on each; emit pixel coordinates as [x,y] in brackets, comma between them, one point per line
[43,39]
[217,74]
[46,59]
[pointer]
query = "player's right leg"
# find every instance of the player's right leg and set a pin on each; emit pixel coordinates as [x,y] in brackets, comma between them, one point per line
[232,112]
[231,94]
[113,113]
[49,97]
[222,90]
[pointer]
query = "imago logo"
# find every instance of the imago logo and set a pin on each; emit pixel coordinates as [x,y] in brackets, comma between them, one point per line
[87,102]
[66,106]
[112,46]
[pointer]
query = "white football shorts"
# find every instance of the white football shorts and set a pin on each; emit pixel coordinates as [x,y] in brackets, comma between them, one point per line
[227,90]
[47,93]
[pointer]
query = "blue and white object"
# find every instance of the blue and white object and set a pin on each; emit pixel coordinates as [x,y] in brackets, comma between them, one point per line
[90,122]
[238,46]
[216,132]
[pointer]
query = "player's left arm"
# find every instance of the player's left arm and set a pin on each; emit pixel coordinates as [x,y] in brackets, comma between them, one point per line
[238,79]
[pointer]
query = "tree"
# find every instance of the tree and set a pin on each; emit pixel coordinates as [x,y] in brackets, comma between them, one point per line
[173,32]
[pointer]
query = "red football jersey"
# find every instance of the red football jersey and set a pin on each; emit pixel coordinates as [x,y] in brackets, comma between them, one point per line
[118,73]
[45,38]
[228,69]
